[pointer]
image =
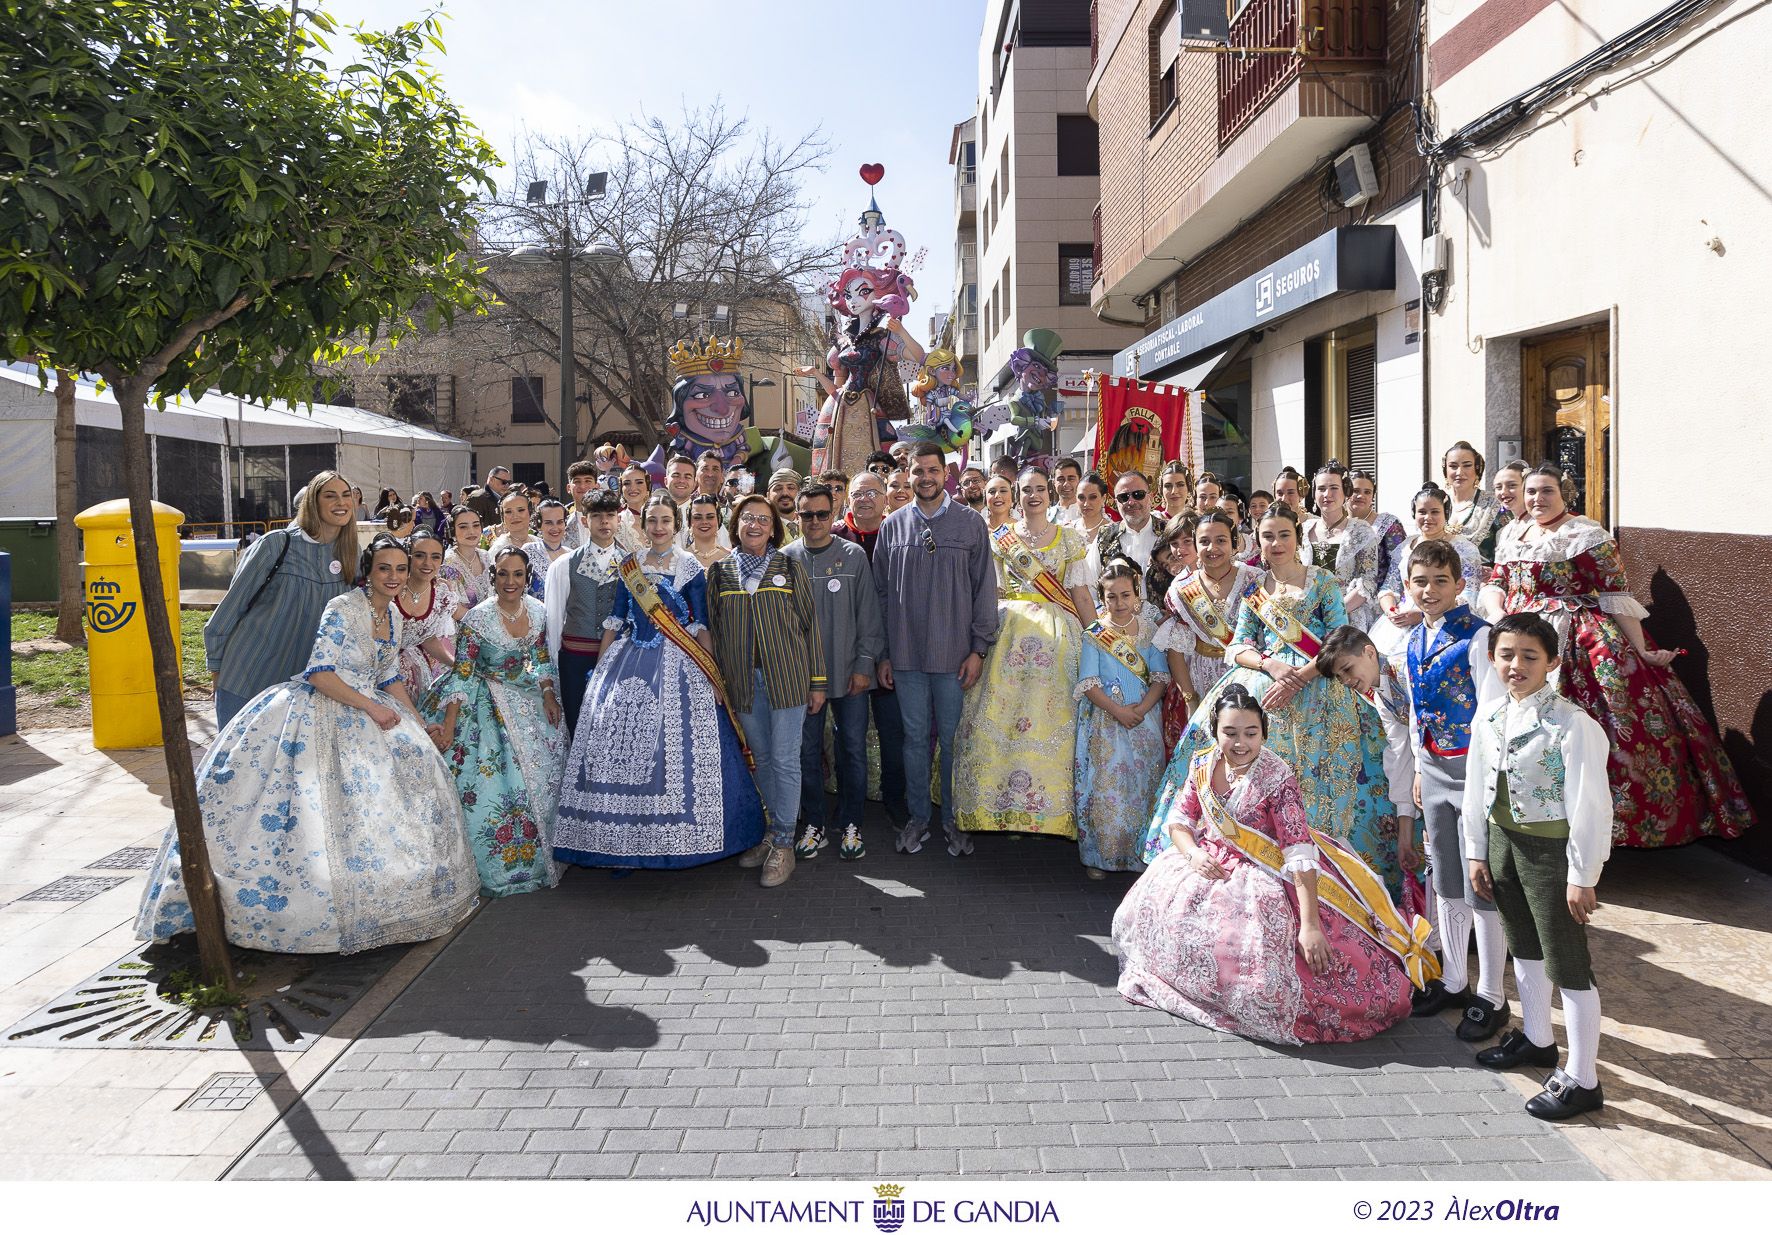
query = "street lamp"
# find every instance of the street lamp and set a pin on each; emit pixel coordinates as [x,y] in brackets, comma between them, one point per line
[540,255]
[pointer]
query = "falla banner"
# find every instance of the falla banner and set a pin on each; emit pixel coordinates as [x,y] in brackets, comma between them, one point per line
[1141,426]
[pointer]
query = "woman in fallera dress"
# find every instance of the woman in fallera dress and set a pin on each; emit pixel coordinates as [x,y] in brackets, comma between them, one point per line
[1235,925]
[1336,541]
[502,733]
[1671,781]
[332,825]
[467,568]
[1120,751]
[1325,733]
[1015,745]
[427,631]
[1362,499]
[656,777]
[1429,511]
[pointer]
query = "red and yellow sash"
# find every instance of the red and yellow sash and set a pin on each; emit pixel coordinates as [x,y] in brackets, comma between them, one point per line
[645,594]
[1345,884]
[1199,603]
[1028,568]
[1285,625]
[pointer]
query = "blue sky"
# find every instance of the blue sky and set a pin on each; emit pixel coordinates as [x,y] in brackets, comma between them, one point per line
[556,67]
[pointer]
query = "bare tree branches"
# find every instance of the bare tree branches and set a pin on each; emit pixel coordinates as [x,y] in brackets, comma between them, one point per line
[700,211]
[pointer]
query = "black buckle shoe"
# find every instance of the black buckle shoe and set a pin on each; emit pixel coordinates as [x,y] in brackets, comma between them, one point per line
[1517,1050]
[1434,998]
[1482,1020]
[1564,1099]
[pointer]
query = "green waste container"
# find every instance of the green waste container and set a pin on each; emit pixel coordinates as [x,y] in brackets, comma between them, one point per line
[32,543]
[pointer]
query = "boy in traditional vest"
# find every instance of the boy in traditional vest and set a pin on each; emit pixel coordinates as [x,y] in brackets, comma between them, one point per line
[1537,824]
[1450,678]
[580,594]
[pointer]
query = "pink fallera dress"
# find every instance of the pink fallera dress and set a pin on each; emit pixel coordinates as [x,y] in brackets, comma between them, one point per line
[1224,952]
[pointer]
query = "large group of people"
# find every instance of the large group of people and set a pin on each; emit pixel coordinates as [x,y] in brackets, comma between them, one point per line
[1334,745]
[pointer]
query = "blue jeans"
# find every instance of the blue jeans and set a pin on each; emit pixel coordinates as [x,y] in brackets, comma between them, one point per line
[774,737]
[891,730]
[918,694]
[851,716]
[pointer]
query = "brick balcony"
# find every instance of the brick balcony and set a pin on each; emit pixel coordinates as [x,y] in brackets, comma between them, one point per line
[1338,35]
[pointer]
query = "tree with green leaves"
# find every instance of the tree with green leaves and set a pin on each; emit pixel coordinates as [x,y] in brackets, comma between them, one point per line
[191,200]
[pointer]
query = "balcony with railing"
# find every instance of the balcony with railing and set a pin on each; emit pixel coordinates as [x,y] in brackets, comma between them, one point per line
[1339,36]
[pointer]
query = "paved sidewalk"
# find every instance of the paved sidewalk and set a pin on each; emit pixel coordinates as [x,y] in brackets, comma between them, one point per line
[902,1016]
[82,1113]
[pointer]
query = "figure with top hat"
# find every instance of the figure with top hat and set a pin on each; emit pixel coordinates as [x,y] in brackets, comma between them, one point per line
[1033,408]
[870,296]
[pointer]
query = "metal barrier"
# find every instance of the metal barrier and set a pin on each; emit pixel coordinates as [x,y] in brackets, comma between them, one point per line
[230,530]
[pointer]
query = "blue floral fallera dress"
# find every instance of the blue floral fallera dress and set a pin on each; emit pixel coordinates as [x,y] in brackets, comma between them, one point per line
[1331,738]
[506,757]
[326,832]
[1118,769]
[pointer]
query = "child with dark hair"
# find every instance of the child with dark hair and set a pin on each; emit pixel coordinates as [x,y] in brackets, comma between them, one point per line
[1537,829]
[1250,921]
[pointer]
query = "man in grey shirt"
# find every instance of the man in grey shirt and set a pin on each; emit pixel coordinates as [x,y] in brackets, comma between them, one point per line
[848,608]
[938,589]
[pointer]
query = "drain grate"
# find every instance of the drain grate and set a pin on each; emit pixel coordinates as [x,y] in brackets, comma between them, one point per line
[72,888]
[135,858]
[225,1091]
[289,1002]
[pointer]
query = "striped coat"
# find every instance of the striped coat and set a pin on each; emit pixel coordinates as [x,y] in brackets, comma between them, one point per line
[774,628]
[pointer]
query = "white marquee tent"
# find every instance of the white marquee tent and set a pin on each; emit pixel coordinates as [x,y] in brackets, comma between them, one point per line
[209,452]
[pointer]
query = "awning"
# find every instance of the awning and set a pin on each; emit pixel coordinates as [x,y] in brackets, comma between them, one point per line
[1194,376]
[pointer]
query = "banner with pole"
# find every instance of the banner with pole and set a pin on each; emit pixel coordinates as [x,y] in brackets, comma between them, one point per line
[1140,426]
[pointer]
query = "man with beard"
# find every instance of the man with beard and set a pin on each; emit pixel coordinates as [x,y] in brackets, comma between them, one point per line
[784,492]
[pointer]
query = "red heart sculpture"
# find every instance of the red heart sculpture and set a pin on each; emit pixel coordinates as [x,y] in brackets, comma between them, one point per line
[873,173]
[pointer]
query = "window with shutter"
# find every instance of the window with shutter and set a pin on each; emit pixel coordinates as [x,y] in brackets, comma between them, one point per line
[1362,408]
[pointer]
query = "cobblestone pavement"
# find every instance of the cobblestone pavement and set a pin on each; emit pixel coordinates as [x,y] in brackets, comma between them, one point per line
[904,1016]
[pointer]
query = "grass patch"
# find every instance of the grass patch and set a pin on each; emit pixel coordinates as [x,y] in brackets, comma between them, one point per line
[59,679]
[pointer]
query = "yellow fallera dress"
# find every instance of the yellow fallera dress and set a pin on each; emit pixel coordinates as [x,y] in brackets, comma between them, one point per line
[1014,750]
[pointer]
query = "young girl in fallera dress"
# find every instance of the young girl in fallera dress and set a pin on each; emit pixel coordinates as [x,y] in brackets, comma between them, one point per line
[427,631]
[332,826]
[1120,751]
[467,568]
[1236,924]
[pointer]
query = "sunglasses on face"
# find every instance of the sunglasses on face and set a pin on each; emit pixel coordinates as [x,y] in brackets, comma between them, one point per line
[1132,495]
[814,516]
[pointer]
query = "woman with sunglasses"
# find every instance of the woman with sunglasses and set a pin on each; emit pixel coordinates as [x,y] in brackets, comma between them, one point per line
[705,539]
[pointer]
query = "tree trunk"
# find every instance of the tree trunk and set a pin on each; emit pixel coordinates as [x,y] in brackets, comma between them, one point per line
[212,944]
[71,594]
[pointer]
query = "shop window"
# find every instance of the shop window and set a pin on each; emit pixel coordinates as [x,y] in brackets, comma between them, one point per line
[1076,273]
[1079,151]
[1224,428]
[526,401]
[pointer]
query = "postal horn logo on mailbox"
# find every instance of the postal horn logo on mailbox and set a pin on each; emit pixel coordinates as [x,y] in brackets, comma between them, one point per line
[888,1207]
[103,613]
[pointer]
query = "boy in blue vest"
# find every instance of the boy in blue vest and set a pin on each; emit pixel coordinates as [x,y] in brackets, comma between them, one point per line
[1445,675]
[1537,823]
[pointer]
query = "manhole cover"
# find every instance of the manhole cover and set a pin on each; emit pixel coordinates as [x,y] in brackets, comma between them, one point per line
[225,1091]
[289,1002]
[75,888]
[132,859]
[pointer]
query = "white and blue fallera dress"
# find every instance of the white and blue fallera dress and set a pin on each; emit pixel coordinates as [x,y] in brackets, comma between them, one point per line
[326,832]
[656,778]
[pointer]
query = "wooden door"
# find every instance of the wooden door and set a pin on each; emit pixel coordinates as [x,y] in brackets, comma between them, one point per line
[1566,410]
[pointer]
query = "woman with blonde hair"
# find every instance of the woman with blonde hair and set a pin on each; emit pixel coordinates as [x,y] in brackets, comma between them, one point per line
[263,630]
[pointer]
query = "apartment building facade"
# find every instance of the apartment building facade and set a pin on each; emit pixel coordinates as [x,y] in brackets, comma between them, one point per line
[1037,182]
[1282,290]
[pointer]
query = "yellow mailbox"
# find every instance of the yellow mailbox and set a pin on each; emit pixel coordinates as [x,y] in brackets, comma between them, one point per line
[125,712]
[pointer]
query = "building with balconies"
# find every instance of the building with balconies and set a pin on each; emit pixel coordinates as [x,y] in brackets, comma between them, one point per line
[1283,294]
[961,334]
[1036,185]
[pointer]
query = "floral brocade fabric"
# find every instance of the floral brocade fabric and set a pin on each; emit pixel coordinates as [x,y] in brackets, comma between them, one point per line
[1015,745]
[1671,781]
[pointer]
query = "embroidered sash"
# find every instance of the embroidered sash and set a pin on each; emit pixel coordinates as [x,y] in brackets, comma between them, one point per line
[1119,647]
[645,594]
[1029,569]
[1199,604]
[1345,885]
[1286,626]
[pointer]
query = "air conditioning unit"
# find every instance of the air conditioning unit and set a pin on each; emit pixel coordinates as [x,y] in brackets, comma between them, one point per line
[1355,181]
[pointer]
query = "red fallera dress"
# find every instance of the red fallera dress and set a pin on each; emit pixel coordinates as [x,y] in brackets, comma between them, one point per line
[1671,781]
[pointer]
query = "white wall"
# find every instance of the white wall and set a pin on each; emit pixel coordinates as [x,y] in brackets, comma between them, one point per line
[1651,195]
